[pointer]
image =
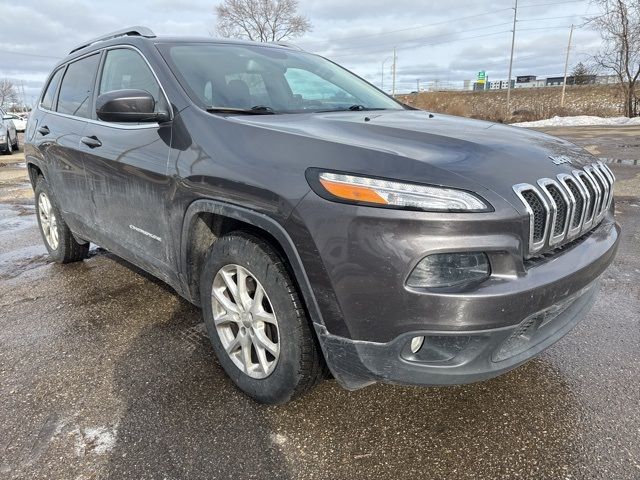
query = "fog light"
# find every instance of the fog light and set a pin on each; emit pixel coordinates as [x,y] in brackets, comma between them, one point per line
[450,270]
[416,344]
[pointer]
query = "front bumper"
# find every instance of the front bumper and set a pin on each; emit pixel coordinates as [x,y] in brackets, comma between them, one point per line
[452,358]
[358,270]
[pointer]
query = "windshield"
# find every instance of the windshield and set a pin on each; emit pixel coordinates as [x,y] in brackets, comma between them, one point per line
[274,80]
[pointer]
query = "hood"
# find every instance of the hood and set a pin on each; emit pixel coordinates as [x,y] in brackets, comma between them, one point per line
[494,156]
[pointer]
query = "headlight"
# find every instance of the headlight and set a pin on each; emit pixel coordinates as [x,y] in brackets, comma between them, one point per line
[450,270]
[392,194]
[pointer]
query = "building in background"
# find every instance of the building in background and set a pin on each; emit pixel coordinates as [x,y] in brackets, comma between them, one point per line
[501,84]
[525,78]
[558,81]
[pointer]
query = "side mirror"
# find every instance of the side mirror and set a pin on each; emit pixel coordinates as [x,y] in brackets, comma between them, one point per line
[128,106]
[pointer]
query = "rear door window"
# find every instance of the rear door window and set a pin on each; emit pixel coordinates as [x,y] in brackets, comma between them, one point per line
[52,88]
[75,96]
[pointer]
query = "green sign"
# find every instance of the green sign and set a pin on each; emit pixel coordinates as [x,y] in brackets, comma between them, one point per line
[482,76]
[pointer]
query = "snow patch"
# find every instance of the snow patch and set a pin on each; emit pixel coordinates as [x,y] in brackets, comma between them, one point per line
[581,121]
[98,440]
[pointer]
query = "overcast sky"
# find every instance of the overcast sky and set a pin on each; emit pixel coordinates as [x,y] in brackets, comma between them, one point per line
[447,41]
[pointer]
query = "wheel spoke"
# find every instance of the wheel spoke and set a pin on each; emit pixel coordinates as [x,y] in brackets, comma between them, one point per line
[227,304]
[265,317]
[233,344]
[244,300]
[258,297]
[246,355]
[231,286]
[262,357]
[224,319]
[265,342]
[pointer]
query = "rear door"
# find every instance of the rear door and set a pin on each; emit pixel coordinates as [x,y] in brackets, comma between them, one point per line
[127,168]
[60,134]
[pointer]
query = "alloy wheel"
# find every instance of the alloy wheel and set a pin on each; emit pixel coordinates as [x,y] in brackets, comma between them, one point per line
[48,221]
[245,321]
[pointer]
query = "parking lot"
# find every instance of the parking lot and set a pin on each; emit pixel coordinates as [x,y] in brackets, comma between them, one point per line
[105,372]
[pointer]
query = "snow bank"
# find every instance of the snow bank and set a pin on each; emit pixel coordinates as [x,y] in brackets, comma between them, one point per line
[580,121]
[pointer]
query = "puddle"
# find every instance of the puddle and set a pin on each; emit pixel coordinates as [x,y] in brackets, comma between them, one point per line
[16,217]
[21,260]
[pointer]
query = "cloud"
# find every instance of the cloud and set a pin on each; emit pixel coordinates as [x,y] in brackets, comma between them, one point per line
[435,40]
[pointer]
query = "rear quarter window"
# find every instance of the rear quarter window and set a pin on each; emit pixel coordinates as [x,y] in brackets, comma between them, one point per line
[75,97]
[52,88]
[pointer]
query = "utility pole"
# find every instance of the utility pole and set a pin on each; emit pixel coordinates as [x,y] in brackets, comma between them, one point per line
[382,73]
[395,58]
[566,67]
[513,44]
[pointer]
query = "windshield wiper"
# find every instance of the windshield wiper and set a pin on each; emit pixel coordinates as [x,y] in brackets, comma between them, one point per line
[257,110]
[352,108]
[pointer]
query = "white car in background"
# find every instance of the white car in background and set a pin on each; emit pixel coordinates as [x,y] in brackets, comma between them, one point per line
[8,134]
[18,121]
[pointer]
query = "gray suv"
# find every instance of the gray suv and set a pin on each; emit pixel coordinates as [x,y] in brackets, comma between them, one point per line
[324,228]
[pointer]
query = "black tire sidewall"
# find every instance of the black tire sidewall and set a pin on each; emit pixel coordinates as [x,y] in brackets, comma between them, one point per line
[281,384]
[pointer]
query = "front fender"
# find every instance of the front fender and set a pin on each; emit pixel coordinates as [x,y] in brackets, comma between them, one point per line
[258,220]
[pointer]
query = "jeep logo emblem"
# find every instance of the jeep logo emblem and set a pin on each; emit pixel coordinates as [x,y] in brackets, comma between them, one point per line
[560,159]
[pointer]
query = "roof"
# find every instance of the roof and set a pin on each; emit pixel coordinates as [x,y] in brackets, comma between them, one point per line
[140,32]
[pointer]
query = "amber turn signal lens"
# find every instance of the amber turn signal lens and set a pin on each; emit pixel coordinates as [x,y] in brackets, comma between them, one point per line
[356,193]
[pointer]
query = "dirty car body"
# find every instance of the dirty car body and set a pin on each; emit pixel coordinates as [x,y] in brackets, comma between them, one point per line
[396,292]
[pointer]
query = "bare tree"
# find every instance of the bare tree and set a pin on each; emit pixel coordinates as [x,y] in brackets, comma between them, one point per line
[582,74]
[619,27]
[8,93]
[261,20]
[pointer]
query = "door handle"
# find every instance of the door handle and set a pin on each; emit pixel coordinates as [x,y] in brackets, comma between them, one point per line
[44,130]
[91,142]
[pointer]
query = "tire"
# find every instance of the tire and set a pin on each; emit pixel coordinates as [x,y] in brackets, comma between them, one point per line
[8,148]
[298,365]
[16,145]
[60,243]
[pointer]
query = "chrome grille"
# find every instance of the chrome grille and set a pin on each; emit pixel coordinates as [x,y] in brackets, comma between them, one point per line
[563,208]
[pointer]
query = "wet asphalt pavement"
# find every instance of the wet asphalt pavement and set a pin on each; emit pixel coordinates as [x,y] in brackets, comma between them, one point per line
[106,373]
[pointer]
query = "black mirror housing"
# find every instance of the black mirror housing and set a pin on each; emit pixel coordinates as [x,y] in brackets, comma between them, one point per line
[128,106]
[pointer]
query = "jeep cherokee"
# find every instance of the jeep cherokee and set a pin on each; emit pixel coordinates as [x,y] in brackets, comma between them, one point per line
[323,227]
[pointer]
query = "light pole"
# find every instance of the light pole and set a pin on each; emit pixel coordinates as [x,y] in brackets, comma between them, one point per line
[513,44]
[566,66]
[395,58]
[382,73]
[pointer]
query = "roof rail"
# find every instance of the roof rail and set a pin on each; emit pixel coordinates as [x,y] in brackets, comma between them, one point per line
[130,31]
[289,45]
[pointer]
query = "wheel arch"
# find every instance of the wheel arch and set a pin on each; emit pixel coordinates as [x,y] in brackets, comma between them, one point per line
[207,220]
[34,170]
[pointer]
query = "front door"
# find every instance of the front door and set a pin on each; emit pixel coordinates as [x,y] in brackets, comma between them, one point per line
[126,168]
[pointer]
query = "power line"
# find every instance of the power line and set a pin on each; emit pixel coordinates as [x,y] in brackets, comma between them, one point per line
[420,39]
[530,5]
[13,52]
[433,43]
[416,27]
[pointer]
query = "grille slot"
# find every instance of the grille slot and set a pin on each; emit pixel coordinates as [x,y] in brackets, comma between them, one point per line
[579,205]
[588,184]
[539,214]
[559,211]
